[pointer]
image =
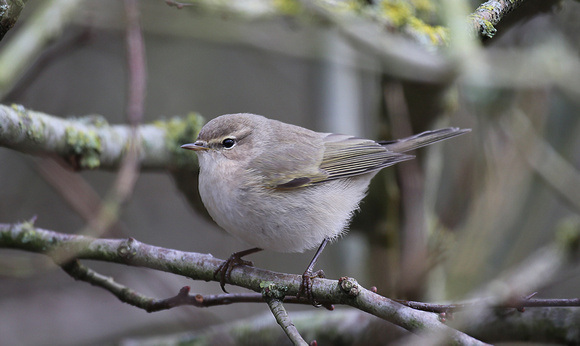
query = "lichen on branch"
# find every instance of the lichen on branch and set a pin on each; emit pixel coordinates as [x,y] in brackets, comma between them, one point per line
[91,142]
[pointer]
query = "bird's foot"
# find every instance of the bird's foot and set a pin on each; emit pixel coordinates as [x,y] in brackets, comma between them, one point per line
[225,269]
[306,288]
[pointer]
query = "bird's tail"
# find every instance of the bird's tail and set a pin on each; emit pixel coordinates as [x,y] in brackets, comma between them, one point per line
[422,139]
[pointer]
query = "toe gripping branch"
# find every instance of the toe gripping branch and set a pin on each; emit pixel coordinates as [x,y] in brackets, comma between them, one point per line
[224,271]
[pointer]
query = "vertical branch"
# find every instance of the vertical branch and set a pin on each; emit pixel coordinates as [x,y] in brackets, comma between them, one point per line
[125,181]
[136,64]
[413,225]
[108,211]
[135,103]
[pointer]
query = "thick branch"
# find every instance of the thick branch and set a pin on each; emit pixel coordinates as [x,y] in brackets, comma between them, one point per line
[90,142]
[25,236]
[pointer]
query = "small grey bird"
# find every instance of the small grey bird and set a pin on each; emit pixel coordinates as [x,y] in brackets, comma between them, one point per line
[285,188]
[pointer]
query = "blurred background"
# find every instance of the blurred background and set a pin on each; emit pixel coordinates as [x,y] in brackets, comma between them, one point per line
[438,228]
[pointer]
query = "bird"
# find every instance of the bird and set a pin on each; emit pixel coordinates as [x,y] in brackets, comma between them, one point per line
[285,188]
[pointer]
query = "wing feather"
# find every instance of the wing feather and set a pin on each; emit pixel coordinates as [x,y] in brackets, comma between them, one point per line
[346,156]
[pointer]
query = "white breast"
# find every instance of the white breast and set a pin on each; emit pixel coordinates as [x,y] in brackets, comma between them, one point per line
[292,220]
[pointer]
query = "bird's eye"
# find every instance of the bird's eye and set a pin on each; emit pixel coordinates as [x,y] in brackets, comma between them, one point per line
[229,143]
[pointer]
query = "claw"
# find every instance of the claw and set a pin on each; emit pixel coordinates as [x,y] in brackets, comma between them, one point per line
[306,286]
[225,269]
[305,289]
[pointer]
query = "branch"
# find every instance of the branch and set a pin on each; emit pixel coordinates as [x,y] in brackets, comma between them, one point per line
[9,15]
[45,24]
[543,326]
[404,58]
[82,273]
[136,63]
[342,327]
[554,169]
[273,294]
[90,142]
[517,304]
[25,236]
[490,13]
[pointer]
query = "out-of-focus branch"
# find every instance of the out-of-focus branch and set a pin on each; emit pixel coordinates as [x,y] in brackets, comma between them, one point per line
[9,15]
[136,63]
[547,162]
[349,326]
[129,169]
[43,26]
[556,326]
[490,13]
[342,327]
[404,58]
[88,143]
[26,237]
[81,197]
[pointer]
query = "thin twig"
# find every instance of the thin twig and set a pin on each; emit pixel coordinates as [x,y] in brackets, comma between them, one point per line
[179,5]
[273,295]
[518,304]
[285,322]
[136,64]
[127,295]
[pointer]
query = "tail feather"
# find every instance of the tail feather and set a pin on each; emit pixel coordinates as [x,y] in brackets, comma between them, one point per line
[422,139]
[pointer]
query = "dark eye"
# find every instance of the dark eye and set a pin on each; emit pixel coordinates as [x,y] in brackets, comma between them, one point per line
[228,143]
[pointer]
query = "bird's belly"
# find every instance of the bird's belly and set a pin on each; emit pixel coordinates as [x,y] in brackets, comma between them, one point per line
[292,220]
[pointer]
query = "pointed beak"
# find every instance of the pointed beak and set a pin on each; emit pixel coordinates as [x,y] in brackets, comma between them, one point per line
[197,146]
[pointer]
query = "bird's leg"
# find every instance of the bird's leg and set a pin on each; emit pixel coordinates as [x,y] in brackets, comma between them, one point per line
[225,269]
[306,285]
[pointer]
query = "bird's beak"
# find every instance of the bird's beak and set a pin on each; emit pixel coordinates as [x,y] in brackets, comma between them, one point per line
[197,146]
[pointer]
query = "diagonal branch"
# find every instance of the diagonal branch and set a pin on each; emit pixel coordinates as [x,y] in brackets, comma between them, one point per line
[273,294]
[45,24]
[9,14]
[490,13]
[25,236]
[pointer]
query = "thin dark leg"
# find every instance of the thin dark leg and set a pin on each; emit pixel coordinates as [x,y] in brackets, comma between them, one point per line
[225,269]
[306,285]
[316,255]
